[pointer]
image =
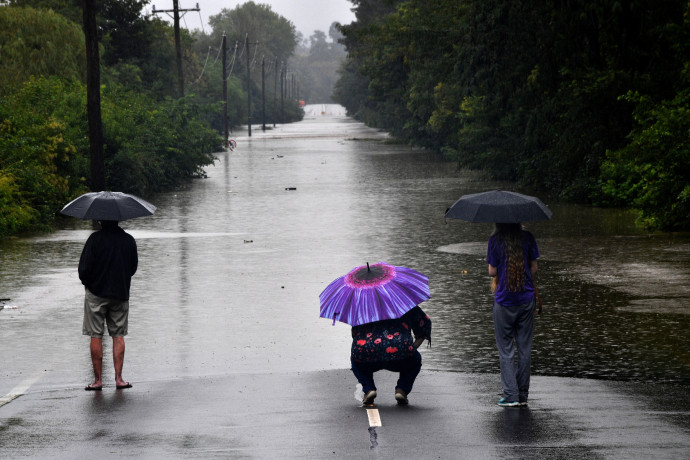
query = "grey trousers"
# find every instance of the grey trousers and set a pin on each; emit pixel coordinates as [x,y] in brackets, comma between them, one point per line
[514,326]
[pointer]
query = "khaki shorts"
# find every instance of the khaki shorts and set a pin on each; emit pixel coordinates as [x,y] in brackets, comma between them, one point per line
[99,311]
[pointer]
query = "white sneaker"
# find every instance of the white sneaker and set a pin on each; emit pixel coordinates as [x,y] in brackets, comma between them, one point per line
[369,397]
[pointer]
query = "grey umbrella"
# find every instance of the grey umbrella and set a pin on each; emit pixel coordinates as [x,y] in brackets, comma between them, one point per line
[108,206]
[499,206]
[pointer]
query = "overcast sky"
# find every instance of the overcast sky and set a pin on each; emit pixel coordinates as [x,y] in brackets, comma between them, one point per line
[306,15]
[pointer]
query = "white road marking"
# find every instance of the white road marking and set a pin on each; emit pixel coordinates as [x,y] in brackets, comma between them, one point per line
[19,390]
[374,417]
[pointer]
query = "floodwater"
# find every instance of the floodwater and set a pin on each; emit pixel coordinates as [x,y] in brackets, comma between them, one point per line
[231,267]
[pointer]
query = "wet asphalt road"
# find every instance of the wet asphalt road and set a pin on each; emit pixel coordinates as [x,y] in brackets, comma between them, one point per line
[313,415]
[228,359]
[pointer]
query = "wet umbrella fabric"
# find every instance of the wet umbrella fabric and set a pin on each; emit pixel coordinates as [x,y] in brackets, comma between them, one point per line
[108,206]
[499,206]
[373,293]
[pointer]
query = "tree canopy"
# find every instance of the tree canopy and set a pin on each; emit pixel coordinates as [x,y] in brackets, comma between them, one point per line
[270,35]
[36,42]
[557,95]
[317,62]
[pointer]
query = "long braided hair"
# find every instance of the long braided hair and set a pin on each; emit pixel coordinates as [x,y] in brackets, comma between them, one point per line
[511,235]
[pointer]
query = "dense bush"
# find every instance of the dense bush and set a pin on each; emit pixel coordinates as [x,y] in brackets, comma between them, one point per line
[152,146]
[653,172]
[44,151]
[40,163]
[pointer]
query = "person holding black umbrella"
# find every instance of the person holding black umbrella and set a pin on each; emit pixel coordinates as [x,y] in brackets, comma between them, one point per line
[512,258]
[106,266]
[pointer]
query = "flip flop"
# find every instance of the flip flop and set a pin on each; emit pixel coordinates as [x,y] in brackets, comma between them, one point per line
[122,387]
[90,388]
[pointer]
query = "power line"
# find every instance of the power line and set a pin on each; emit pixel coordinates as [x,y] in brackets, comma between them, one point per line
[242,52]
[204,68]
[219,50]
[234,55]
[255,50]
[201,20]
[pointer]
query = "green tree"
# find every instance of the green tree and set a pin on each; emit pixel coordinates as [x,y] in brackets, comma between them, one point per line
[70,9]
[317,66]
[136,50]
[529,91]
[271,38]
[363,98]
[270,34]
[652,172]
[38,42]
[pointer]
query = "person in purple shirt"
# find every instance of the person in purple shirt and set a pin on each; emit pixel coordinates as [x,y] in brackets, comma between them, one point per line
[512,257]
[106,266]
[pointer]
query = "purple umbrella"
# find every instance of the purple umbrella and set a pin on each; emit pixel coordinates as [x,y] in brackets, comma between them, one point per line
[373,293]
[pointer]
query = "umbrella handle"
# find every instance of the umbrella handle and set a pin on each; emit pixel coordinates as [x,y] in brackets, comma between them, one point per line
[334,315]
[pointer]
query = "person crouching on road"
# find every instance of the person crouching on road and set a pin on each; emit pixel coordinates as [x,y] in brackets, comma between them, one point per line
[106,266]
[389,345]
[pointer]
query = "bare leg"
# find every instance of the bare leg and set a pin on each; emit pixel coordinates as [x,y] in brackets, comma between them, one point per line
[119,360]
[97,361]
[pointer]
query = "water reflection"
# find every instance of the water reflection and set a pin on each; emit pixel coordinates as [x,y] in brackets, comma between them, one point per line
[231,268]
[514,425]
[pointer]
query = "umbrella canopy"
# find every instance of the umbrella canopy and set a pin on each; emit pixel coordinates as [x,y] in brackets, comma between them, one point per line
[373,293]
[108,206]
[499,206]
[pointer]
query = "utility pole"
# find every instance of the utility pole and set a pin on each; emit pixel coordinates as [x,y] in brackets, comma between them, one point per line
[282,94]
[178,47]
[249,88]
[263,95]
[275,94]
[225,90]
[93,96]
[249,85]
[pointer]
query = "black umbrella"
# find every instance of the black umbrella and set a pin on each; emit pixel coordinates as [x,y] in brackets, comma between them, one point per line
[108,206]
[499,206]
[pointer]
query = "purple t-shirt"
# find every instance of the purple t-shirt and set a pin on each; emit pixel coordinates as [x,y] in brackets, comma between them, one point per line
[495,256]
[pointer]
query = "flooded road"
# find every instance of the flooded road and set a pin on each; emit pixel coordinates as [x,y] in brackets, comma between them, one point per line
[230,269]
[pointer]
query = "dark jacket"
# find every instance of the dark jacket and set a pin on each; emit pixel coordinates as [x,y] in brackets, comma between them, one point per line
[107,263]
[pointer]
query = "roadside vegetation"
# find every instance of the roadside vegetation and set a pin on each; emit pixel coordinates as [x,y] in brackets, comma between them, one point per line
[585,100]
[154,138]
